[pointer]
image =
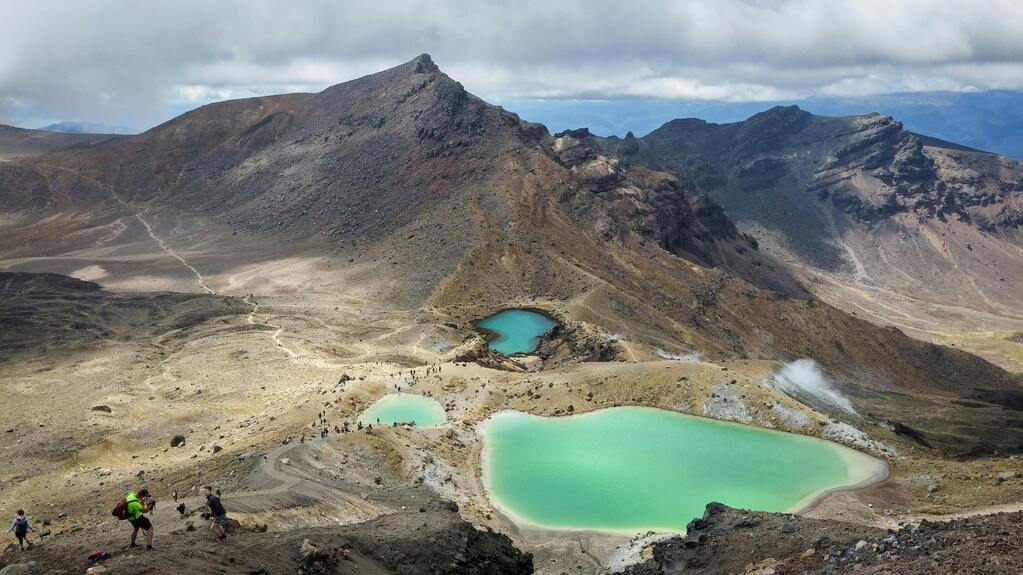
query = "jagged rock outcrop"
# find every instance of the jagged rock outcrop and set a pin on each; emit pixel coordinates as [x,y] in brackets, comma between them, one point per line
[869,166]
[622,197]
[578,341]
[733,541]
[477,350]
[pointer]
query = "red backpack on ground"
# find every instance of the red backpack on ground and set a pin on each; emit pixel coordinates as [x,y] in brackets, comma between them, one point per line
[121,509]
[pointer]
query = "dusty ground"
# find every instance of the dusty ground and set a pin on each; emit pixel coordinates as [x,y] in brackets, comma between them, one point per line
[246,381]
[238,383]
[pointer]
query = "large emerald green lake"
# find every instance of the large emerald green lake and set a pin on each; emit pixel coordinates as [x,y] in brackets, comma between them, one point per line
[404,408]
[516,330]
[632,469]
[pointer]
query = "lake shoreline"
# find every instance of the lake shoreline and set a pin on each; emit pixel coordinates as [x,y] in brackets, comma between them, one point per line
[855,460]
[492,337]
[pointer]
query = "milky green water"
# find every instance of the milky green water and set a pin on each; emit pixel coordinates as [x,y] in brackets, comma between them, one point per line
[637,468]
[403,408]
[518,330]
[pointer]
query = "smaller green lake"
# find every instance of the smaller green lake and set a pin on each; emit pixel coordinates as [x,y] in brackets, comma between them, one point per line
[632,469]
[404,408]
[516,330]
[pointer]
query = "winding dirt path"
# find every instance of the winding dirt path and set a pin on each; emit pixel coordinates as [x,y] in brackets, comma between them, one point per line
[286,488]
[276,332]
[163,245]
[149,228]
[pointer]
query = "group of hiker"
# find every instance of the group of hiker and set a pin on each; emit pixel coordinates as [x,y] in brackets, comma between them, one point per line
[133,508]
[413,378]
[135,505]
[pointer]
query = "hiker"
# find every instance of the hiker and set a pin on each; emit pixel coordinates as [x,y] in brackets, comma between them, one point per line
[218,515]
[137,504]
[21,527]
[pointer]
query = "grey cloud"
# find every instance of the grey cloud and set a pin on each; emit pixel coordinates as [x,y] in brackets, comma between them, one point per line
[125,62]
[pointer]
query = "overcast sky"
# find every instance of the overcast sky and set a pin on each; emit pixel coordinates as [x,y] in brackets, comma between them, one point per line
[135,63]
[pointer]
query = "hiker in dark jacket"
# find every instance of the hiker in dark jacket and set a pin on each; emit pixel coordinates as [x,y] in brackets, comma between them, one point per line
[139,503]
[218,515]
[21,527]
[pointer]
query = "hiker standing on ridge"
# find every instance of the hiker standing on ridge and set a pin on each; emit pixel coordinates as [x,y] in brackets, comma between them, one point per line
[137,504]
[21,527]
[218,515]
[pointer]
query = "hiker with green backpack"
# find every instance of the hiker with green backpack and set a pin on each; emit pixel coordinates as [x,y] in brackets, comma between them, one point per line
[132,508]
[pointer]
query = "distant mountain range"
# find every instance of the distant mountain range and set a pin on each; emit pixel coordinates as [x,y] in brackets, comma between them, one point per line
[20,141]
[87,128]
[990,121]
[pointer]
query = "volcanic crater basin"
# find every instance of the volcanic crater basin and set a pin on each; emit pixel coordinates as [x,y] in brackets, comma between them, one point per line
[404,408]
[516,331]
[633,469]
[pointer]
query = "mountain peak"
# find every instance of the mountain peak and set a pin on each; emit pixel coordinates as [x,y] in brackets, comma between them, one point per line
[779,112]
[424,64]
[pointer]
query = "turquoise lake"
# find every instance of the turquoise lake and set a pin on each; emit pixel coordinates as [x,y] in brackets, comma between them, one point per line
[403,408]
[517,330]
[632,469]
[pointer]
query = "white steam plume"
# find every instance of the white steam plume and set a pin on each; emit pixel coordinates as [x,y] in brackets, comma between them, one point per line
[804,381]
[688,356]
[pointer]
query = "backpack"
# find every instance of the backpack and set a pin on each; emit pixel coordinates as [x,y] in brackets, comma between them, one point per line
[121,510]
[21,525]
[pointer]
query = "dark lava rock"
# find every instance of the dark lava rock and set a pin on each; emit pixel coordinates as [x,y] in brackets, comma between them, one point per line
[177,441]
[103,408]
[787,544]
[982,545]
[727,540]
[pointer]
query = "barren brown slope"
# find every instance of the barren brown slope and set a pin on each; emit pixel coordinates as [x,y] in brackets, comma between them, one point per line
[467,208]
[402,166]
[394,168]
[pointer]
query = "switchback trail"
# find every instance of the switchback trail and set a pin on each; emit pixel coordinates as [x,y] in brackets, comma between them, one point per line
[280,484]
[275,335]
